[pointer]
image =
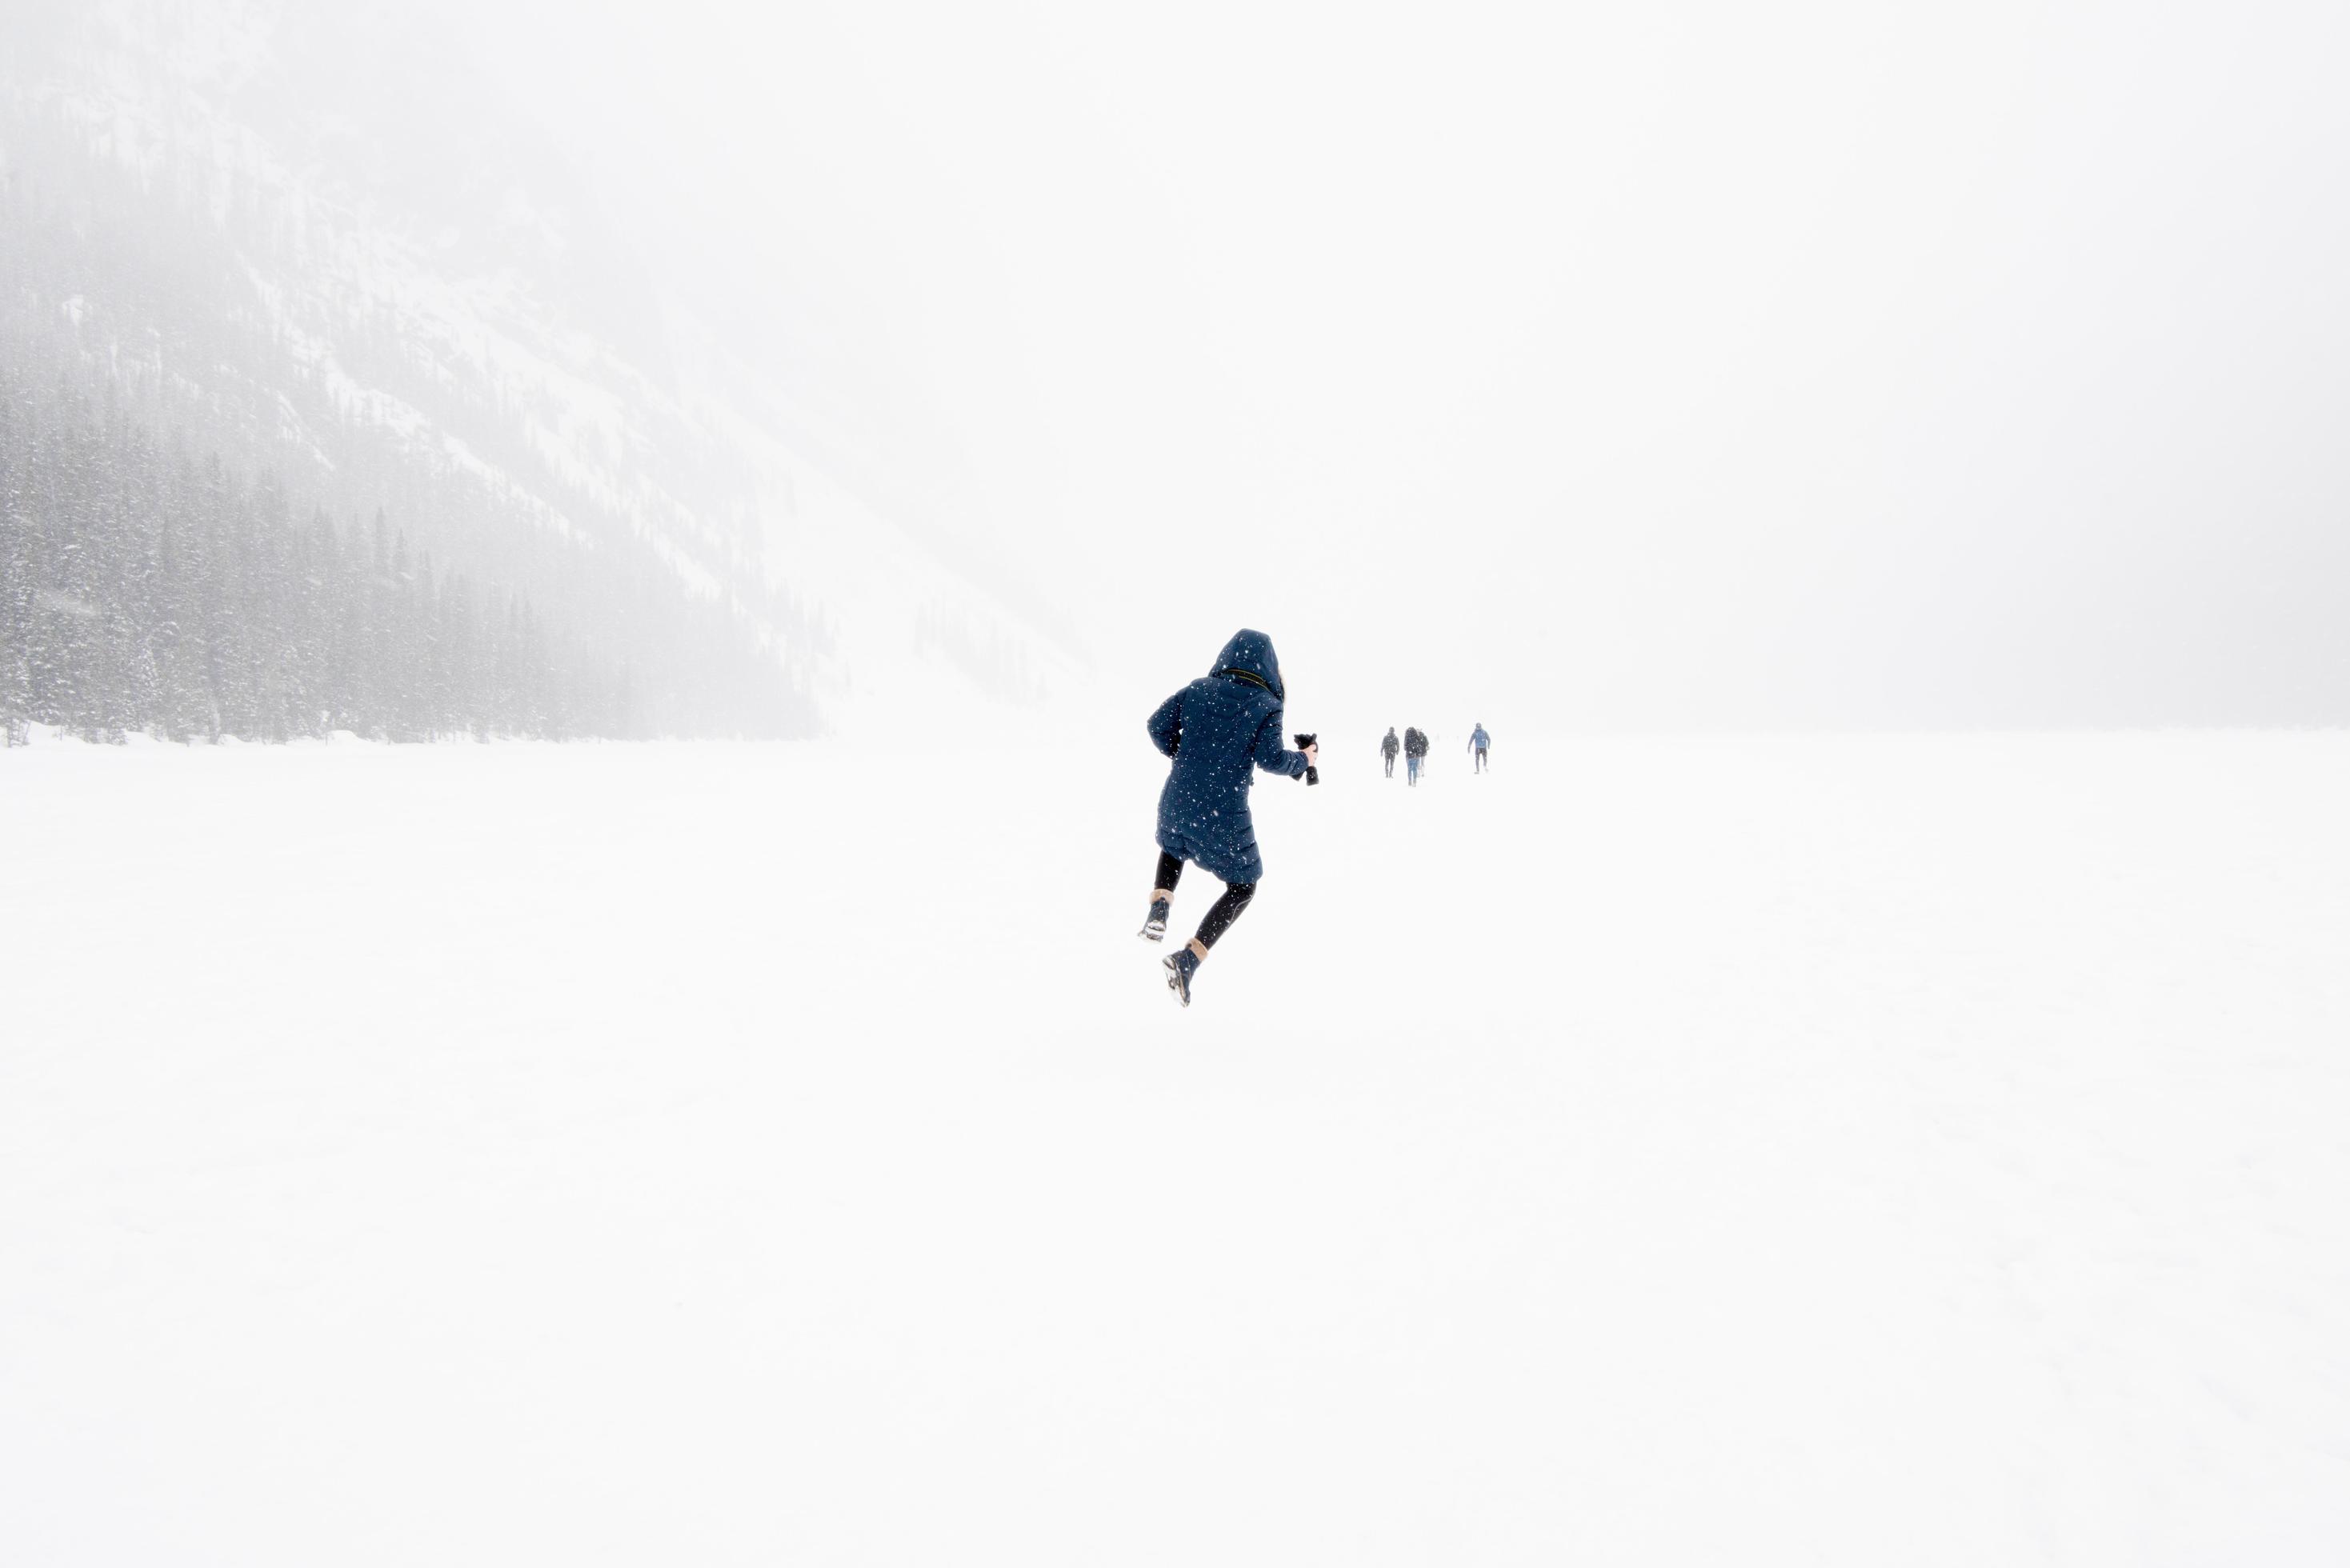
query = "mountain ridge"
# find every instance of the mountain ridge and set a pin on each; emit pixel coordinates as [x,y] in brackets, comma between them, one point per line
[444,319]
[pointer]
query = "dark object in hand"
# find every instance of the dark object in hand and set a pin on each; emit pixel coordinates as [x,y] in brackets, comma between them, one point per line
[1312,774]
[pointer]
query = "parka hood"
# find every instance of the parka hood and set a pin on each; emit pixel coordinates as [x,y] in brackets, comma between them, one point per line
[1249,655]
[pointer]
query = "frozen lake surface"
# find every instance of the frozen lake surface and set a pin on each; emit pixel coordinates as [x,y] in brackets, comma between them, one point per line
[1856,1151]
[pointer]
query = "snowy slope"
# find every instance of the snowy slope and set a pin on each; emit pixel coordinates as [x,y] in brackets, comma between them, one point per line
[1853,1152]
[435,275]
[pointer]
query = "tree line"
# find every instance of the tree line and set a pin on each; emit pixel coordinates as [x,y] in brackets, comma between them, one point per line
[143,588]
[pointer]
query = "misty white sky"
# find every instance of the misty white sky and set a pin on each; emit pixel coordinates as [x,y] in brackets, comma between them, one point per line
[1684,363]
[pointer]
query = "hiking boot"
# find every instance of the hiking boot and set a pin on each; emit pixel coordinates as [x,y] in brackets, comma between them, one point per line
[1181,965]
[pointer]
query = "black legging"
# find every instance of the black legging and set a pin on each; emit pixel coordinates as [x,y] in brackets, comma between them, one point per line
[1222,913]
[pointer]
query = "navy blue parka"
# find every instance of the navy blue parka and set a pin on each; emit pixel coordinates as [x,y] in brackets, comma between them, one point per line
[1216,729]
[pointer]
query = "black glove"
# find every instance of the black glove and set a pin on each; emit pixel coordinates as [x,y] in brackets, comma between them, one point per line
[1312,774]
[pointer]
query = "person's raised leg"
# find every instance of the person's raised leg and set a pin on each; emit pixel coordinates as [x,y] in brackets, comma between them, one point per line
[1162,896]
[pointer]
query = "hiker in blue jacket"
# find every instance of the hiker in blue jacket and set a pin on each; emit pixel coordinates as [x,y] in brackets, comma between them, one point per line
[1216,729]
[1478,742]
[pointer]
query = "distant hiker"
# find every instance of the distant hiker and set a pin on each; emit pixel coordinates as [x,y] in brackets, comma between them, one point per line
[1415,754]
[1478,742]
[1215,729]
[1388,749]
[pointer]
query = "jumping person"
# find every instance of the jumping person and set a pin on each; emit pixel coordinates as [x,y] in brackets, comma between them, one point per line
[1215,729]
[1478,742]
[1388,750]
[1415,755]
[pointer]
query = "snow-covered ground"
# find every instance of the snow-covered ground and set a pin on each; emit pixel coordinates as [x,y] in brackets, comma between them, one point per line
[1870,1151]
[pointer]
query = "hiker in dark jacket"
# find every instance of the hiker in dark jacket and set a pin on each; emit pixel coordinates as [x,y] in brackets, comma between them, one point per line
[1388,749]
[1415,753]
[1216,729]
